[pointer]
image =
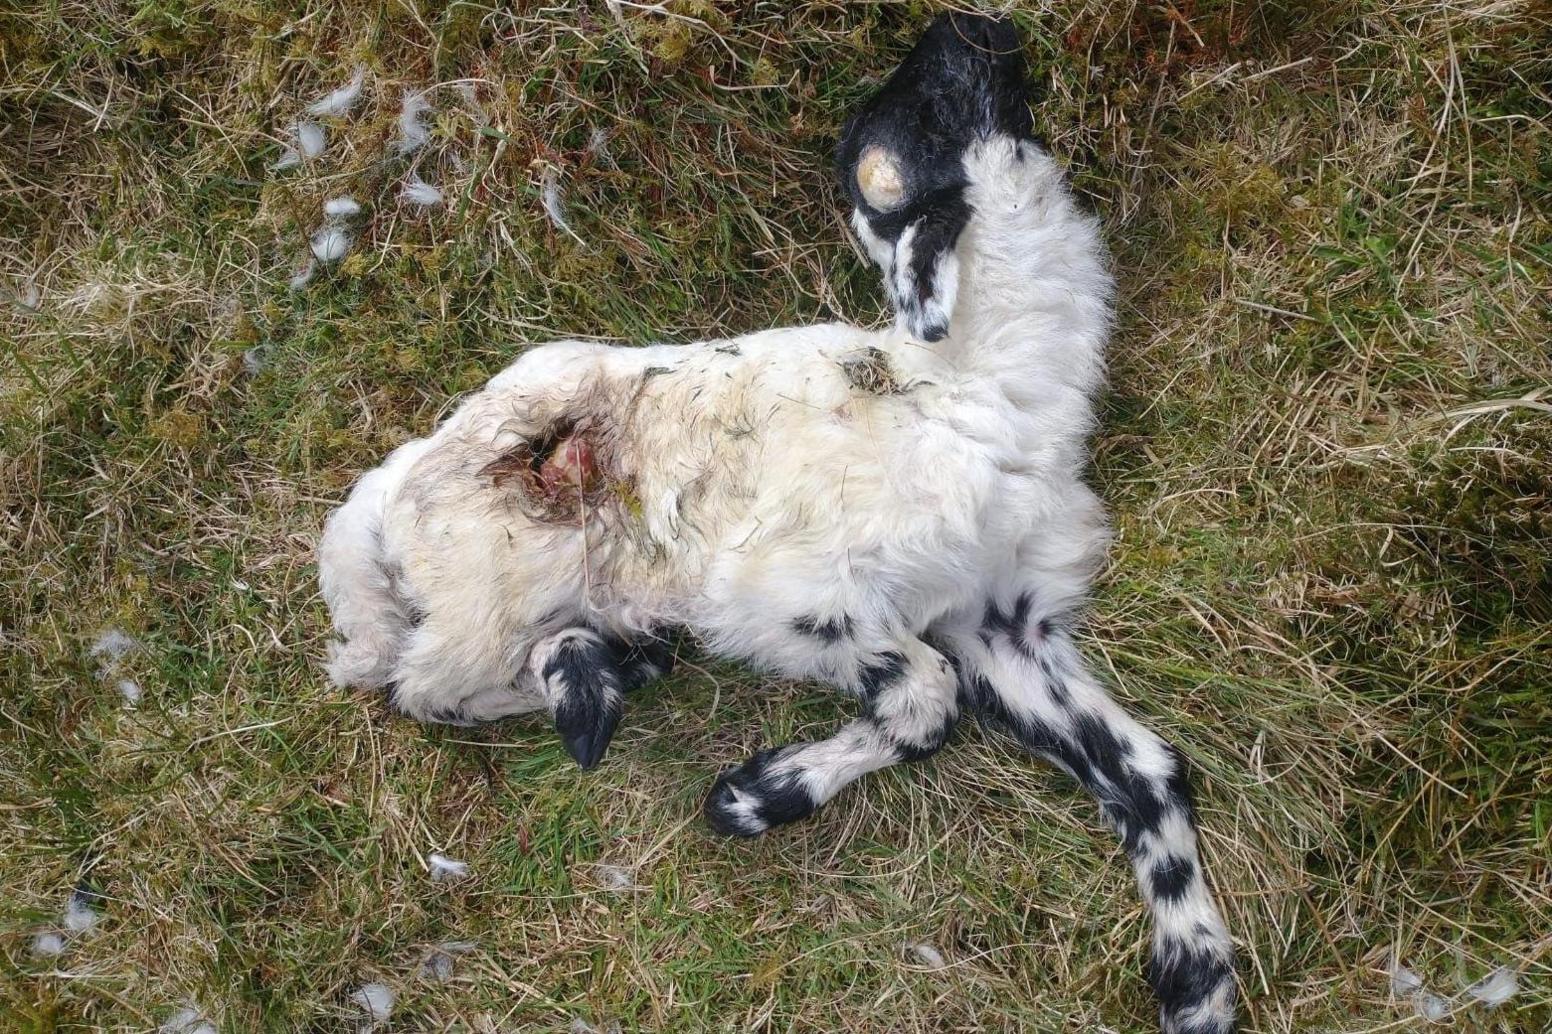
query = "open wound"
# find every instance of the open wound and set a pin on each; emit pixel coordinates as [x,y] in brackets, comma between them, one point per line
[559,475]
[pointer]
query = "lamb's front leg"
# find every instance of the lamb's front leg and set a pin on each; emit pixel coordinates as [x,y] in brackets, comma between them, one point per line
[910,709]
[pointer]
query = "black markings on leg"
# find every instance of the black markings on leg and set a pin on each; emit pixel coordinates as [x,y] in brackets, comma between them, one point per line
[828,630]
[643,660]
[1171,877]
[881,674]
[1186,975]
[762,792]
[582,684]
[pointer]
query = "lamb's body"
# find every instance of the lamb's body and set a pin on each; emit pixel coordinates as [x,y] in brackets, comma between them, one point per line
[902,518]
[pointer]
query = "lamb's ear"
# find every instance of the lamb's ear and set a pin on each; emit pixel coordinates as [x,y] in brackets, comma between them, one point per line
[924,282]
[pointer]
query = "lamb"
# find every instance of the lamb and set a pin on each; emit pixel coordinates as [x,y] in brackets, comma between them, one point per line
[899,513]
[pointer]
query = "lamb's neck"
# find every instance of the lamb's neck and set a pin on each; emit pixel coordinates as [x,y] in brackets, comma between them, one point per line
[1035,298]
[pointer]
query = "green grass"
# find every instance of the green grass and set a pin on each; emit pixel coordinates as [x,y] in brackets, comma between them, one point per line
[1327,447]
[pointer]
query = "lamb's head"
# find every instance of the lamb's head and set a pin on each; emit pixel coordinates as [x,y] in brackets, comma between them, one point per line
[901,158]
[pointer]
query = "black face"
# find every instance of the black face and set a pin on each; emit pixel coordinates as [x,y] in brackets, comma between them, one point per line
[963,82]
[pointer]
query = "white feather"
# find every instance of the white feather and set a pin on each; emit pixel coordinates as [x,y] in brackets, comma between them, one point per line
[553,203]
[330,244]
[344,207]
[1403,981]
[616,877]
[418,192]
[79,915]
[928,956]
[48,944]
[299,280]
[445,869]
[1430,1006]
[440,961]
[129,689]
[112,644]
[376,1000]
[411,133]
[1496,988]
[253,358]
[289,160]
[187,1020]
[340,101]
[311,138]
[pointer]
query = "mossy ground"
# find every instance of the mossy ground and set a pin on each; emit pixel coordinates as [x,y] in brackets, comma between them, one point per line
[1328,449]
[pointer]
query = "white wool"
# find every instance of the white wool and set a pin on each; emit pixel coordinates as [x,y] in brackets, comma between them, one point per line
[112,644]
[1496,988]
[418,192]
[289,160]
[79,915]
[411,133]
[311,138]
[299,280]
[48,944]
[188,1020]
[928,956]
[445,869]
[340,101]
[598,145]
[616,877]
[440,961]
[1430,1006]
[1403,981]
[376,1000]
[344,207]
[330,244]
[553,206]
[129,689]
[253,358]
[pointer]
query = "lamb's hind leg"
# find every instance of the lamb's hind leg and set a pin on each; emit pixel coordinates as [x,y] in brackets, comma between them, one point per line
[910,709]
[584,677]
[1023,670]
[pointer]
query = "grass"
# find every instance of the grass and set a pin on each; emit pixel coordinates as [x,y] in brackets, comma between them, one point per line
[1328,449]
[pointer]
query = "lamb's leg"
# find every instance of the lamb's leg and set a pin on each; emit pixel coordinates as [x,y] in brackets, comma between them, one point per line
[584,677]
[1025,672]
[910,709]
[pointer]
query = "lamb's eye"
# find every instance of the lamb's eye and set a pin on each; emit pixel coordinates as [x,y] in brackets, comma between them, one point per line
[878,177]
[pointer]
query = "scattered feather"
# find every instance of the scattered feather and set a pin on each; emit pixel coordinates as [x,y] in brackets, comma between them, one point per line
[1496,988]
[1403,981]
[129,689]
[439,961]
[418,192]
[598,146]
[445,869]
[188,1020]
[311,138]
[299,280]
[289,160]
[376,1000]
[341,207]
[340,101]
[616,877]
[553,203]
[330,244]
[253,358]
[113,645]
[928,956]
[581,1026]
[471,100]
[29,298]
[412,133]
[80,916]
[1430,1006]
[48,944]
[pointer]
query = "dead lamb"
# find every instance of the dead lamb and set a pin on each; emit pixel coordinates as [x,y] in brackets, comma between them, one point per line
[899,514]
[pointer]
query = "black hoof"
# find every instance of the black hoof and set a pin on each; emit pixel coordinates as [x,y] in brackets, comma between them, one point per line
[750,799]
[586,723]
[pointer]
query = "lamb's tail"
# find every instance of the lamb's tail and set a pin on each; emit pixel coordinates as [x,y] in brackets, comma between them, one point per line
[1026,673]
[370,615]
